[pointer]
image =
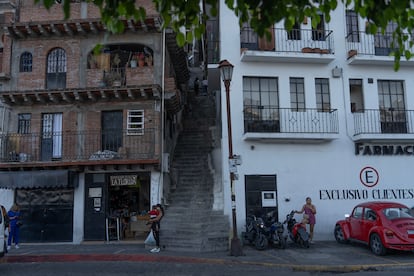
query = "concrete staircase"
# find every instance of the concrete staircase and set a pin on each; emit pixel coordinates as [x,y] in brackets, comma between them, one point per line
[190,223]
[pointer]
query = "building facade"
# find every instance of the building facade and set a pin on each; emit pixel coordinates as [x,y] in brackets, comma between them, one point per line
[86,135]
[316,112]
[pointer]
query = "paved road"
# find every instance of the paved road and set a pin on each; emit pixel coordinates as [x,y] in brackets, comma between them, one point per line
[128,259]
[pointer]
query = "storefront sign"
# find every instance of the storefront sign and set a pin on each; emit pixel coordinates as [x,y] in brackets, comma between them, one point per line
[123,180]
[367,149]
[365,194]
[369,177]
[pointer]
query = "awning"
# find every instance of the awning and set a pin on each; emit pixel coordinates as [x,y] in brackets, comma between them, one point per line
[38,179]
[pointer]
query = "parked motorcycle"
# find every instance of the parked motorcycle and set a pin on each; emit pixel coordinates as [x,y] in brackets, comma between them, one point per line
[297,231]
[274,231]
[255,232]
[262,232]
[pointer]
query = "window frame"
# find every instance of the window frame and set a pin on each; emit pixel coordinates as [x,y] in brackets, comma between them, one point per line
[26,62]
[295,103]
[135,128]
[322,91]
[24,123]
[352,26]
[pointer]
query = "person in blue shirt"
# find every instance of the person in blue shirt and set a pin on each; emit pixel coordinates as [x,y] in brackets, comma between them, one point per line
[14,216]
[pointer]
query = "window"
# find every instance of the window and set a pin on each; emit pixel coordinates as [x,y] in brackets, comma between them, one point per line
[352,28]
[357,212]
[24,123]
[356,95]
[297,94]
[56,69]
[261,104]
[323,101]
[370,214]
[135,125]
[248,38]
[392,106]
[384,42]
[26,60]
[294,34]
[318,33]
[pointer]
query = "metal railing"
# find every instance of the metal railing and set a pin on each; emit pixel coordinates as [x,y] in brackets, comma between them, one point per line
[287,120]
[79,146]
[361,43]
[383,121]
[296,41]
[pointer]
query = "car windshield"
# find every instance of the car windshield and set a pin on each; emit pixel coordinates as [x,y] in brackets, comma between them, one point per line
[395,213]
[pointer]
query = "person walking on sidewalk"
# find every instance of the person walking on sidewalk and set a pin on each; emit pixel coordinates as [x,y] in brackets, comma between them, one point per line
[14,226]
[155,227]
[310,210]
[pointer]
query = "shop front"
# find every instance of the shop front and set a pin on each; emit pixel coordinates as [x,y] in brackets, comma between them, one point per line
[116,205]
[46,201]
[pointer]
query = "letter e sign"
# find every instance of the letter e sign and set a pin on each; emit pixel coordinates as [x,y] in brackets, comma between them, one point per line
[369,177]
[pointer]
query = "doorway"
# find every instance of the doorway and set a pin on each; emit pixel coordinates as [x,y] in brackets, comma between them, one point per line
[51,136]
[261,195]
[112,123]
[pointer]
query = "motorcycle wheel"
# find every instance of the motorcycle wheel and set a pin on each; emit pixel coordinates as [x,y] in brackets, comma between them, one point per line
[305,244]
[261,242]
[282,242]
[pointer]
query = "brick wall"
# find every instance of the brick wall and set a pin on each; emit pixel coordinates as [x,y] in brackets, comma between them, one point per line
[40,49]
[37,12]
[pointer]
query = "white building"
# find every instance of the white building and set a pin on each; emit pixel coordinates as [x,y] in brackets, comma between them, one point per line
[319,113]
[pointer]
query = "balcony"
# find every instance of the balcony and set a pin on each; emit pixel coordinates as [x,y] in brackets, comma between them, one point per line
[287,125]
[80,148]
[309,46]
[372,125]
[366,49]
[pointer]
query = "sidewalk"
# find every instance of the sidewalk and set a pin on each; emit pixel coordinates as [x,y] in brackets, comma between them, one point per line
[322,256]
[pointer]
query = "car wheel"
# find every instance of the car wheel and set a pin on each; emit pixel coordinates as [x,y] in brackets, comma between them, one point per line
[339,234]
[376,245]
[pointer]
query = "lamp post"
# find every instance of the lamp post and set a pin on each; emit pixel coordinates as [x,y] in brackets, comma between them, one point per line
[226,71]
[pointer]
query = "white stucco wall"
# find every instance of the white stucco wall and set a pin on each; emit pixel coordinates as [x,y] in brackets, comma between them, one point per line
[79,210]
[308,169]
[6,198]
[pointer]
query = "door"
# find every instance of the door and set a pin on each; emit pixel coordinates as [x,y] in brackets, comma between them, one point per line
[95,207]
[47,214]
[257,190]
[356,223]
[51,144]
[112,123]
[56,69]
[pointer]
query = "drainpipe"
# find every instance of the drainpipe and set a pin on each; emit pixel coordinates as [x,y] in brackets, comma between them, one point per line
[161,182]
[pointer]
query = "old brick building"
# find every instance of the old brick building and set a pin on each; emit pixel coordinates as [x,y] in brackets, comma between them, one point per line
[85,136]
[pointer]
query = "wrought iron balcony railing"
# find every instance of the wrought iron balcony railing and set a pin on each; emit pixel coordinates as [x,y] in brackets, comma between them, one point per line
[361,43]
[294,41]
[79,146]
[381,121]
[287,120]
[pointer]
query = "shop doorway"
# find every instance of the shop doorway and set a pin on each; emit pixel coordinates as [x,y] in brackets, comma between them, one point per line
[261,195]
[129,203]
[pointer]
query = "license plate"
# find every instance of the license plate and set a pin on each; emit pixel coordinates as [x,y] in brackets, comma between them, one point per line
[410,232]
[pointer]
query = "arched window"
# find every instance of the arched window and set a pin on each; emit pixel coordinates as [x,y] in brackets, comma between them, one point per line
[26,60]
[56,69]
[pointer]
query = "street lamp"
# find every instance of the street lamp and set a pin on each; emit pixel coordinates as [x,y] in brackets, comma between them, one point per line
[226,70]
